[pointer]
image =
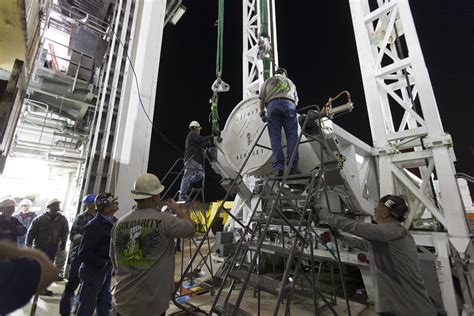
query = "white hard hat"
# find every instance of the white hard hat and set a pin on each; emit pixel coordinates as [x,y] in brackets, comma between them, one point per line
[6,202]
[25,202]
[146,186]
[52,201]
[194,124]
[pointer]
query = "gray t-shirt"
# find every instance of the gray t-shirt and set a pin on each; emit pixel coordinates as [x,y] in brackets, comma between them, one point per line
[278,87]
[393,258]
[142,253]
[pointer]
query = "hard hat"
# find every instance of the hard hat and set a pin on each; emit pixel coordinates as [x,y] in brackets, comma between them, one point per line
[194,124]
[52,201]
[146,186]
[88,199]
[102,200]
[26,202]
[281,71]
[396,205]
[6,202]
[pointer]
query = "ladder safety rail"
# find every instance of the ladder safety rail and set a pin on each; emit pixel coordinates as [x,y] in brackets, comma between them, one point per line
[220,209]
[283,287]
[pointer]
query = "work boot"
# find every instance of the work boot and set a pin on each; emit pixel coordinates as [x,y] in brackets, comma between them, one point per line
[278,172]
[294,171]
[46,293]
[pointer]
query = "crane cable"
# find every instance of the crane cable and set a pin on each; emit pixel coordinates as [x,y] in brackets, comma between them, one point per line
[218,85]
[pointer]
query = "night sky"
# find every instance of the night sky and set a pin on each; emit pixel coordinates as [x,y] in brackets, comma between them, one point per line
[316,45]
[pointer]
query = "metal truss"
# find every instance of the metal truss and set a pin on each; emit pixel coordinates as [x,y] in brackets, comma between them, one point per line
[252,64]
[413,153]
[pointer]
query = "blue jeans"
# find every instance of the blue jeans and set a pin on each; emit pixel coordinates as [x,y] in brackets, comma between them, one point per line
[95,291]
[282,113]
[193,172]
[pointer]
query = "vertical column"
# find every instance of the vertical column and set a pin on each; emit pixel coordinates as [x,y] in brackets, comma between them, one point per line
[134,129]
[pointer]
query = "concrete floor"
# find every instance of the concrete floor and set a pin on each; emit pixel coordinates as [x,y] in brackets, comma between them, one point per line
[300,306]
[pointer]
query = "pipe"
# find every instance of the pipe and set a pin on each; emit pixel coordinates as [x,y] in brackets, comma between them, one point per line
[40,146]
[66,144]
[64,157]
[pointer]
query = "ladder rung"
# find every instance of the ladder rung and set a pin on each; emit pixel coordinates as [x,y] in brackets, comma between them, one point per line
[277,221]
[261,282]
[284,197]
[301,176]
[270,249]
[228,308]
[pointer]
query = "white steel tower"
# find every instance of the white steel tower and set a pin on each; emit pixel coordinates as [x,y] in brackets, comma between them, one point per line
[413,152]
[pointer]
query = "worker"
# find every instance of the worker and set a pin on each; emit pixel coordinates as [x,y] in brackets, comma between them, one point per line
[193,158]
[49,232]
[142,250]
[26,217]
[75,236]
[10,226]
[393,258]
[278,95]
[96,270]
[23,272]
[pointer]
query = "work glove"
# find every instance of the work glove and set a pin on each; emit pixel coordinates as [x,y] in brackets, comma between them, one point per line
[263,116]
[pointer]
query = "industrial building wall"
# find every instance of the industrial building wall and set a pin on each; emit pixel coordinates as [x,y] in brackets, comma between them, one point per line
[134,126]
[119,151]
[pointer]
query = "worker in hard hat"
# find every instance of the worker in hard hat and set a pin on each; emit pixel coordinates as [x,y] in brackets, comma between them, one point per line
[49,231]
[193,158]
[142,250]
[26,217]
[10,226]
[75,236]
[96,269]
[278,101]
[393,258]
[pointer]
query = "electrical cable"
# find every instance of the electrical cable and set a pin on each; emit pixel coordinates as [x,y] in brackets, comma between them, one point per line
[140,97]
[464,176]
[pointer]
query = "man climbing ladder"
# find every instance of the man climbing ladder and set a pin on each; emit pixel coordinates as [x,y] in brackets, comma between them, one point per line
[193,158]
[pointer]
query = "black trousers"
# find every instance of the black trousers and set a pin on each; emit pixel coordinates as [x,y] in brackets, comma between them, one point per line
[67,299]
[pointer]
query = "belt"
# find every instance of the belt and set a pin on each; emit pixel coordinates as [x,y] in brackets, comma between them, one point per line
[279,99]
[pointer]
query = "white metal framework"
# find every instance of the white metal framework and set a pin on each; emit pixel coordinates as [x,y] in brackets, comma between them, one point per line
[407,132]
[251,63]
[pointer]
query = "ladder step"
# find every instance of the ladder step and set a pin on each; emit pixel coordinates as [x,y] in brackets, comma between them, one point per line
[293,177]
[227,309]
[261,282]
[284,197]
[270,249]
[277,221]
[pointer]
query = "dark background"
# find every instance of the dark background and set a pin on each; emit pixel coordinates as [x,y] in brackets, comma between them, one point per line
[316,45]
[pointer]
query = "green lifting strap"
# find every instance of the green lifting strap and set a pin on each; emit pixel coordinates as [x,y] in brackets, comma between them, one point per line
[219,64]
[220,39]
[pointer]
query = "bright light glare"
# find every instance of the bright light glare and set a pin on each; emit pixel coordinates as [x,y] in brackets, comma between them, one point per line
[31,177]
